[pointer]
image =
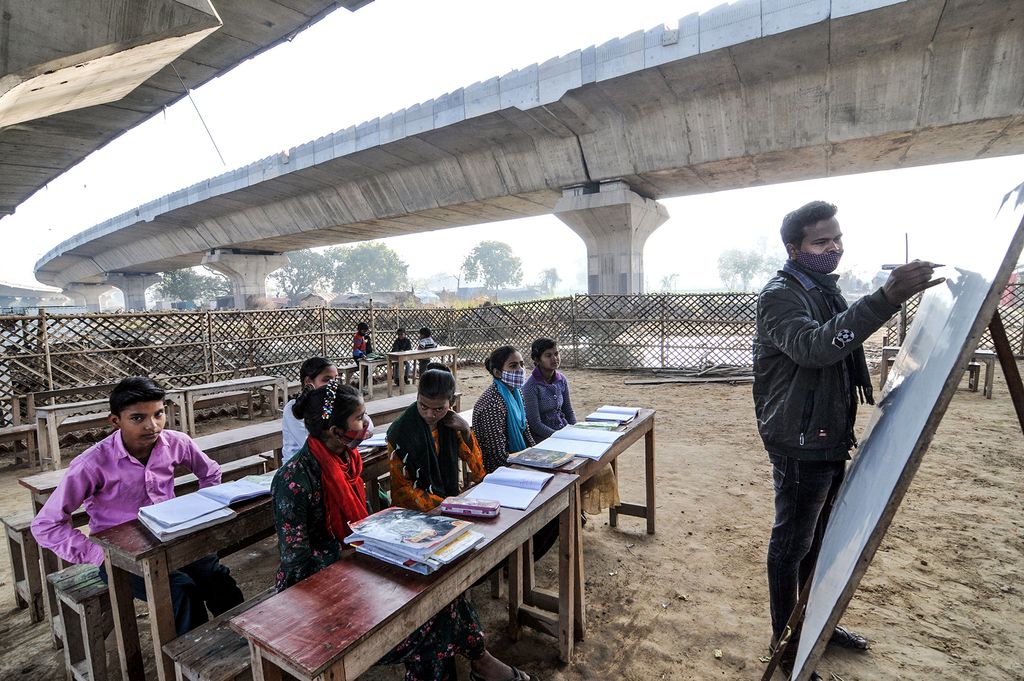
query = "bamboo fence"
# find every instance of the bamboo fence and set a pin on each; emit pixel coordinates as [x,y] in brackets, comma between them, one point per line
[655,331]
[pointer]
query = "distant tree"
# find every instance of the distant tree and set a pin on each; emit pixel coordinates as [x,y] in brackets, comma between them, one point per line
[494,264]
[306,271]
[187,285]
[549,279]
[368,267]
[736,266]
[668,282]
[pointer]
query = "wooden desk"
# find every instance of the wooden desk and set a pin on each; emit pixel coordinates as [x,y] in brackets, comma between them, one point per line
[131,550]
[395,359]
[50,417]
[310,633]
[192,393]
[365,369]
[985,357]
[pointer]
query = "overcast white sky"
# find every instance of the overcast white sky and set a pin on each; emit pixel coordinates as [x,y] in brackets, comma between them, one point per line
[353,67]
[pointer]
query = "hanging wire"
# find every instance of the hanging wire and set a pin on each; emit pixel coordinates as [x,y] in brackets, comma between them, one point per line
[200,114]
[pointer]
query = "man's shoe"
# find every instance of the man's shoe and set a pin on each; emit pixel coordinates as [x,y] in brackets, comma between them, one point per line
[847,639]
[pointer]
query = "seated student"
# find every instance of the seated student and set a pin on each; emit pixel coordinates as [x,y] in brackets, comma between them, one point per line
[425,342]
[426,443]
[402,344]
[314,373]
[318,493]
[546,392]
[361,347]
[131,468]
[548,409]
[499,415]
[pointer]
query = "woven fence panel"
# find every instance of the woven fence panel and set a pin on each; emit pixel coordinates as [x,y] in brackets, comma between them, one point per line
[621,332]
[1011,311]
[480,330]
[257,342]
[22,361]
[705,330]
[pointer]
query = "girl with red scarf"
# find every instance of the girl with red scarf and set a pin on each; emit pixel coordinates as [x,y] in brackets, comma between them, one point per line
[318,492]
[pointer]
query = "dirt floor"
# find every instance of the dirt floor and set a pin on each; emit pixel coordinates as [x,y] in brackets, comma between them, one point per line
[942,599]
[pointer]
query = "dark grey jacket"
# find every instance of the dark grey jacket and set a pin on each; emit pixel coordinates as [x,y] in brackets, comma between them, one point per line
[803,398]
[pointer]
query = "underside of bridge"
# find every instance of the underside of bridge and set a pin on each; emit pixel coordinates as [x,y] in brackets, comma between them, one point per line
[734,98]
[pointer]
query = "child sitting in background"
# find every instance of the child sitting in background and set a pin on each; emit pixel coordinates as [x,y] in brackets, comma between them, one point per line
[402,344]
[131,468]
[425,343]
[361,347]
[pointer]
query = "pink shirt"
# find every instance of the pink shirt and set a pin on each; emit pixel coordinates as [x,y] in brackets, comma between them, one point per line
[114,485]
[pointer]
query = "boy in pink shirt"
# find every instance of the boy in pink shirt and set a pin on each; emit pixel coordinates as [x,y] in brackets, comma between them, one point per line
[131,468]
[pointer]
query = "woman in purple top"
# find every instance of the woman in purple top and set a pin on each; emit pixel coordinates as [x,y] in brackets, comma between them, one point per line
[546,393]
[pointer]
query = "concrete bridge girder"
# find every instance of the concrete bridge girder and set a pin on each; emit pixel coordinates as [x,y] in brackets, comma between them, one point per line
[614,223]
[247,272]
[87,295]
[133,286]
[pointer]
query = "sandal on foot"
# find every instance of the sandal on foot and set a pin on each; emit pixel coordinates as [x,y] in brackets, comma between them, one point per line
[516,675]
[847,639]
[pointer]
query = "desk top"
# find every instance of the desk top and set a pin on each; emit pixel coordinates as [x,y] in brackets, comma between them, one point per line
[130,542]
[424,352]
[311,627]
[87,405]
[231,383]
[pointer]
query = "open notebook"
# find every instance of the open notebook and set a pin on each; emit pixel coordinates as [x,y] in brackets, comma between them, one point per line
[584,442]
[510,487]
[612,414]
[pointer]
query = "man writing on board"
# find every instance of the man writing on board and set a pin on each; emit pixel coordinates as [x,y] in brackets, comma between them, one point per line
[809,376]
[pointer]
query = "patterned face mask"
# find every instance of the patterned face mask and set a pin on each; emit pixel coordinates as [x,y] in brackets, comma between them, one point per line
[353,438]
[514,379]
[824,263]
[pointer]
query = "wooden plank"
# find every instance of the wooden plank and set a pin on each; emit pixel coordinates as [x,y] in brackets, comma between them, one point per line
[732,380]
[122,602]
[155,572]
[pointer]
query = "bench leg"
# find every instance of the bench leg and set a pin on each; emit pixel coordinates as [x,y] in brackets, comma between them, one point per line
[48,564]
[74,646]
[973,372]
[30,555]
[93,622]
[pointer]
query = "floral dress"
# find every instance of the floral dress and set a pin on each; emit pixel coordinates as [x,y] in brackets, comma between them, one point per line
[306,547]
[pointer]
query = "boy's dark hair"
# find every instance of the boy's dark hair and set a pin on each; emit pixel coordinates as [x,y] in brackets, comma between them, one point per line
[313,367]
[310,407]
[794,223]
[400,330]
[425,332]
[540,346]
[440,366]
[435,384]
[362,327]
[498,358]
[133,390]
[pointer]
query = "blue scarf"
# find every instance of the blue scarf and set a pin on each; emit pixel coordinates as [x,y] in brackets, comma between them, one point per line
[516,416]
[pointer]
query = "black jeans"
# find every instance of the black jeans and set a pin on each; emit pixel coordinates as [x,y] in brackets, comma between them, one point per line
[801,491]
[194,588]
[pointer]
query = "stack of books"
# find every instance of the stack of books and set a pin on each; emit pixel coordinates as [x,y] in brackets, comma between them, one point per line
[413,540]
[207,507]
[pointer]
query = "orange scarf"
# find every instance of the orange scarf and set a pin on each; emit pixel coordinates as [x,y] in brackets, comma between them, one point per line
[344,491]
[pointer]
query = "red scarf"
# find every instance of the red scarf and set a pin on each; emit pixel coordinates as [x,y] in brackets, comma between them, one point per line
[344,491]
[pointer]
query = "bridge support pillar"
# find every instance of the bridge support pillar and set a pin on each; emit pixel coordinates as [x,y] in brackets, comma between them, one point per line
[87,295]
[614,222]
[246,271]
[133,286]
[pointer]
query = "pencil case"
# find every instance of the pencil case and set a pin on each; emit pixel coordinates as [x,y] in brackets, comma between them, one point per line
[477,508]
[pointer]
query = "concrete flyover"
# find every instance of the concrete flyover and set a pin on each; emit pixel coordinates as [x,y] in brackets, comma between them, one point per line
[752,93]
[73,76]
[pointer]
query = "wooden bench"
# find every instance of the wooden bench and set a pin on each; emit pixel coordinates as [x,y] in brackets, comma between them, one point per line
[213,652]
[24,553]
[24,432]
[86,619]
[239,397]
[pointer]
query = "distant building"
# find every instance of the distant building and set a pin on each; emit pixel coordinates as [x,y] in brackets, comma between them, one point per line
[312,300]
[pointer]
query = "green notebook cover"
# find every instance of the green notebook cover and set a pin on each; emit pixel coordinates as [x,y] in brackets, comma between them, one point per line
[538,457]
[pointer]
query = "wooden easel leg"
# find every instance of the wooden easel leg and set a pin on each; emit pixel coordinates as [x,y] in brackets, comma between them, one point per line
[791,625]
[1009,364]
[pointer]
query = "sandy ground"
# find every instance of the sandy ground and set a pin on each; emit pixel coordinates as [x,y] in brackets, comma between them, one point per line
[942,599]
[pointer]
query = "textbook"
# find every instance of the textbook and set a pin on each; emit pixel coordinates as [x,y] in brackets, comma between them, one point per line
[510,487]
[407,533]
[249,487]
[541,457]
[590,443]
[612,414]
[443,556]
[181,515]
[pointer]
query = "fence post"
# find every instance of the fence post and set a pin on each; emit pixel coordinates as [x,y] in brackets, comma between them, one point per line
[574,331]
[323,331]
[210,356]
[661,304]
[44,339]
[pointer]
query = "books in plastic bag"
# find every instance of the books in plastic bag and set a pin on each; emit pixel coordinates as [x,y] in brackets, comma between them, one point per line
[408,533]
